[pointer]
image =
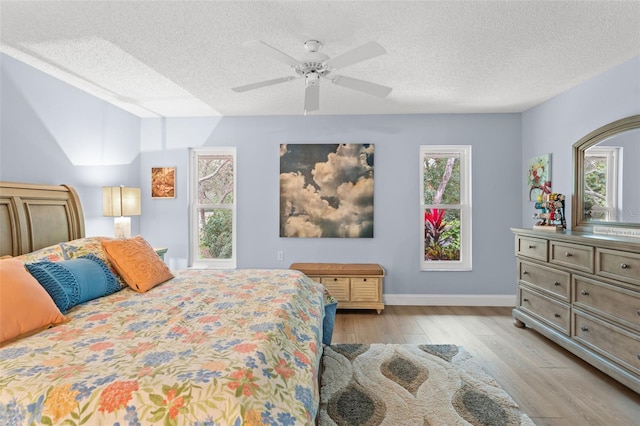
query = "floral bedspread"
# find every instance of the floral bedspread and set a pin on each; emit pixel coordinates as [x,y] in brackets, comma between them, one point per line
[208,347]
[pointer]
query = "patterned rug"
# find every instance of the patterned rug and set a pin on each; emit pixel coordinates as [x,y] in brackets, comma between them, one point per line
[379,384]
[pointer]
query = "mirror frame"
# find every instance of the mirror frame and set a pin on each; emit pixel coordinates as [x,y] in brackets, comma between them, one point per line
[578,223]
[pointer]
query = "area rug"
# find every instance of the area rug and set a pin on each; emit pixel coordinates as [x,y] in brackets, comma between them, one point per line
[420,385]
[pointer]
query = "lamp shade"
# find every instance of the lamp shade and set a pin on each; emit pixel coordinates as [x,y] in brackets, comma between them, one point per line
[120,201]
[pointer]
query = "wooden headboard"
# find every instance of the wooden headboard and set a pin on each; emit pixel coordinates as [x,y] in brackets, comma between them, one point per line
[36,216]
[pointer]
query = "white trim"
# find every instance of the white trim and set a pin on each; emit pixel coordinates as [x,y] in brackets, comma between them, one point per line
[612,156]
[194,261]
[450,299]
[463,152]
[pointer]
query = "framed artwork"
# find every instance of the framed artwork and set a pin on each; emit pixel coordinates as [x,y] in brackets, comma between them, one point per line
[326,190]
[163,182]
[539,176]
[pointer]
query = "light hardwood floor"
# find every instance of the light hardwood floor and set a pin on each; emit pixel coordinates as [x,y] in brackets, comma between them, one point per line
[549,384]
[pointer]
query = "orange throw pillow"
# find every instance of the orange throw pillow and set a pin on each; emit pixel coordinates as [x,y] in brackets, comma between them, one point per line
[25,306]
[137,263]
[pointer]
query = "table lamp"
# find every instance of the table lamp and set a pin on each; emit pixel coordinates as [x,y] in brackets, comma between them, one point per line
[120,203]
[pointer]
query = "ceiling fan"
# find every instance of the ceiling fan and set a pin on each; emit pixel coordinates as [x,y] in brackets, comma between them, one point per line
[315,65]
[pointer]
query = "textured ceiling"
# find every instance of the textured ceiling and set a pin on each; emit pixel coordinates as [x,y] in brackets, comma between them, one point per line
[182,58]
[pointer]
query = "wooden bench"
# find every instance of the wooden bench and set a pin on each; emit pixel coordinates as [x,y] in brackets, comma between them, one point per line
[354,285]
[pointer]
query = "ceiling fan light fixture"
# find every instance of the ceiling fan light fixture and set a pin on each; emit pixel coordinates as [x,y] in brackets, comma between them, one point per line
[315,65]
[312,67]
[312,79]
[312,46]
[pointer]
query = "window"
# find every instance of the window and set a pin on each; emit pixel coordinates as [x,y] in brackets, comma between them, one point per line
[212,238]
[445,201]
[601,168]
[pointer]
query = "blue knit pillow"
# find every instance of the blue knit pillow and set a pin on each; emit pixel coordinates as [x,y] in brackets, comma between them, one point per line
[71,282]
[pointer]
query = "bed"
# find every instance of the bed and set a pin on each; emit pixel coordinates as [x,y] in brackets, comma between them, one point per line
[206,347]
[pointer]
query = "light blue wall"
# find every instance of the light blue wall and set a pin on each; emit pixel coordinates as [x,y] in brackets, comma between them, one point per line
[554,126]
[53,133]
[396,245]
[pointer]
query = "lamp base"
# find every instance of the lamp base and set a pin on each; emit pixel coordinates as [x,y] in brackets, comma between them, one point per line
[122,227]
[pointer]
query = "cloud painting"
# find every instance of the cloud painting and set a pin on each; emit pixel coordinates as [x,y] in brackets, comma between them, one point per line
[326,190]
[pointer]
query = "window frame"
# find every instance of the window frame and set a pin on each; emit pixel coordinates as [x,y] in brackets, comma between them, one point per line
[194,235]
[465,262]
[612,156]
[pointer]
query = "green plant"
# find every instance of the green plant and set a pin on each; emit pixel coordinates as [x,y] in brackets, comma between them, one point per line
[216,235]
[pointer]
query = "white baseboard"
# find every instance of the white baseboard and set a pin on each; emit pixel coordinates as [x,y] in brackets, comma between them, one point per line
[450,299]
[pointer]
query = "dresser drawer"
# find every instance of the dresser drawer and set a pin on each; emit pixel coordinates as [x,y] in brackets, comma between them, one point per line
[535,248]
[365,289]
[574,256]
[618,344]
[548,279]
[616,303]
[338,288]
[553,312]
[619,265]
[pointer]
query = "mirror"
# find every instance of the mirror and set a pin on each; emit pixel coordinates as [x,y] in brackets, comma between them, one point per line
[607,177]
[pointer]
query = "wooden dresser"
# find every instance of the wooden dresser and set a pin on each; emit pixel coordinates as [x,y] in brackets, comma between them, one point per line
[582,291]
[354,285]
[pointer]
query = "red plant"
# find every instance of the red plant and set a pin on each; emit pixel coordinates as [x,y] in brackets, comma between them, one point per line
[435,239]
[434,217]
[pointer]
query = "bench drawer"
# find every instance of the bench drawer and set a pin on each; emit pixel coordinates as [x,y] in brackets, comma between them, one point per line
[365,289]
[354,285]
[338,288]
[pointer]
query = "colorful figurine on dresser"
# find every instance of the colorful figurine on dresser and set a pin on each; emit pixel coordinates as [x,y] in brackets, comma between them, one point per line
[551,216]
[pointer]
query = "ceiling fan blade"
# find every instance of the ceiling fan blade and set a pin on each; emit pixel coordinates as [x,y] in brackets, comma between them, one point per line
[359,54]
[311,98]
[361,85]
[276,54]
[262,84]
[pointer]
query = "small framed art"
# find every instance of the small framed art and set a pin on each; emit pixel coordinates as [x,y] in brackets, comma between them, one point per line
[539,176]
[163,182]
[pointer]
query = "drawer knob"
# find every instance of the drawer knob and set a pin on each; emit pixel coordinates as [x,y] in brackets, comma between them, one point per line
[557,284]
[525,272]
[624,266]
[525,300]
[532,246]
[335,279]
[584,293]
[556,315]
[567,254]
[364,279]
[585,329]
